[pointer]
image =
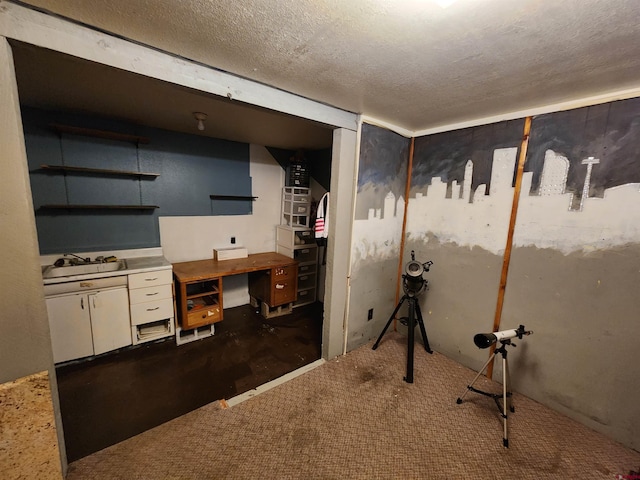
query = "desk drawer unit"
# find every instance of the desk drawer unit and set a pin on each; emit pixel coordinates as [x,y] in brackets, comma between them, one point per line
[276,286]
[151,305]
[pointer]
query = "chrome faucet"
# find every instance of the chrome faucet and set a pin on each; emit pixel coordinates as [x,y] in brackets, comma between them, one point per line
[85,260]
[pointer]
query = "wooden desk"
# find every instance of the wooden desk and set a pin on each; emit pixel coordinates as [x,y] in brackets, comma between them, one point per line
[272,279]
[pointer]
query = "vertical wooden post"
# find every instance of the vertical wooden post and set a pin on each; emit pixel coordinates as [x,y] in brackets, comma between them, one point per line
[404,223]
[512,223]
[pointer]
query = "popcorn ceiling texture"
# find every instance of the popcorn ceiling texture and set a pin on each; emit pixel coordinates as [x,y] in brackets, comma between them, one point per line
[409,63]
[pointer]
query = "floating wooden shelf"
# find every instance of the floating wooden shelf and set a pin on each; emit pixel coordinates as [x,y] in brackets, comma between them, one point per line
[89,132]
[99,207]
[100,171]
[232,197]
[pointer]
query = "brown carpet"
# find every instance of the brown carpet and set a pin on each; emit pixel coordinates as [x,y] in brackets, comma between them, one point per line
[355,418]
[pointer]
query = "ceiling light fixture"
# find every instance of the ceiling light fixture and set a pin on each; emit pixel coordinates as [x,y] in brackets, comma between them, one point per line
[200,117]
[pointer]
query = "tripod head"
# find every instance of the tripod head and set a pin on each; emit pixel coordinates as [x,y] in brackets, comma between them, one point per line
[413,283]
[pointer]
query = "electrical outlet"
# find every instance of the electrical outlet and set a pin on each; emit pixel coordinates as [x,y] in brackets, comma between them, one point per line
[233,240]
[370,314]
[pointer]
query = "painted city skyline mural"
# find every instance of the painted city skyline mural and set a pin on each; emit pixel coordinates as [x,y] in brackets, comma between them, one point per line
[547,219]
[580,189]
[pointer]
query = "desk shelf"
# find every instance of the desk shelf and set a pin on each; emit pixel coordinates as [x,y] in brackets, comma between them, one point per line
[199,302]
[202,289]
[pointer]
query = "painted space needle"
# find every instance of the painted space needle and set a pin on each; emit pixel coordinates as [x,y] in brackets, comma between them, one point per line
[589,162]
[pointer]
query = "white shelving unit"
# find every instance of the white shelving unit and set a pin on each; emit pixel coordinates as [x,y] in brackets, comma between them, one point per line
[296,204]
[295,239]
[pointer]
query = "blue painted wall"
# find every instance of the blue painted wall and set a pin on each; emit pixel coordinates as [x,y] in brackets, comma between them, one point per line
[191,168]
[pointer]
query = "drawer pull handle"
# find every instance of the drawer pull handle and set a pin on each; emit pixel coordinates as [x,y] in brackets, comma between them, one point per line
[151,294]
[150,279]
[279,286]
[152,309]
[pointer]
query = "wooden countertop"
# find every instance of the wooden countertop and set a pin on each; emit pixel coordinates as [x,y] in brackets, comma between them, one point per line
[203,269]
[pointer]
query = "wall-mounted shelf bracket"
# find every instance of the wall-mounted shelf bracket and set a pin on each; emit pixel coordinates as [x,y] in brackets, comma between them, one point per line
[99,207]
[90,132]
[232,197]
[99,171]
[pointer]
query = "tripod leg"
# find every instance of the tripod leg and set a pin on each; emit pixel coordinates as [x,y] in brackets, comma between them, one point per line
[422,329]
[505,415]
[509,392]
[460,398]
[375,345]
[411,324]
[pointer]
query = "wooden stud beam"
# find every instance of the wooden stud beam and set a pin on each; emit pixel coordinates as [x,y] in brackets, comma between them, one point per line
[404,223]
[512,223]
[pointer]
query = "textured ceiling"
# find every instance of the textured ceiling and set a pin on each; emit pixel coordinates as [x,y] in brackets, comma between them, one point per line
[410,63]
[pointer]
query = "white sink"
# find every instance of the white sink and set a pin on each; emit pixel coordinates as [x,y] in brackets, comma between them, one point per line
[51,271]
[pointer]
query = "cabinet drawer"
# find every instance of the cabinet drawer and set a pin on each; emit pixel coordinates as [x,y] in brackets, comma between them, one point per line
[290,237]
[150,294]
[308,254]
[296,208]
[305,296]
[306,281]
[150,279]
[151,311]
[203,316]
[297,194]
[283,273]
[283,292]
[307,269]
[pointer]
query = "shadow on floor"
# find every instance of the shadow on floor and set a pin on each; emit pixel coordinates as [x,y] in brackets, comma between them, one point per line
[121,394]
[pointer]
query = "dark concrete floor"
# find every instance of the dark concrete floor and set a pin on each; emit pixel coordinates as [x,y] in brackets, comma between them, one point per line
[118,395]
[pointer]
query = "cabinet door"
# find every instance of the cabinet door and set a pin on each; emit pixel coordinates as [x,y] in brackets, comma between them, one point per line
[70,327]
[110,319]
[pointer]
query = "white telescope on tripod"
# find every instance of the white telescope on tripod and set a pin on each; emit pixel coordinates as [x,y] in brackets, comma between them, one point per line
[485,340]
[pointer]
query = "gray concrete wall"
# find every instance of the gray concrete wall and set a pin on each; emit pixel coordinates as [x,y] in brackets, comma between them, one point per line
[461,299]
[574,268]
[376,232]
[582,359]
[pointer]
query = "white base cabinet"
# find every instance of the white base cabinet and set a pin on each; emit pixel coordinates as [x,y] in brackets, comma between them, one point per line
[110,320]
[151,305]
[88,323]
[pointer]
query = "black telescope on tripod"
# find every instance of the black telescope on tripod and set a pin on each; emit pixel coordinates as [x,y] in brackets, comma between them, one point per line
[413,284]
